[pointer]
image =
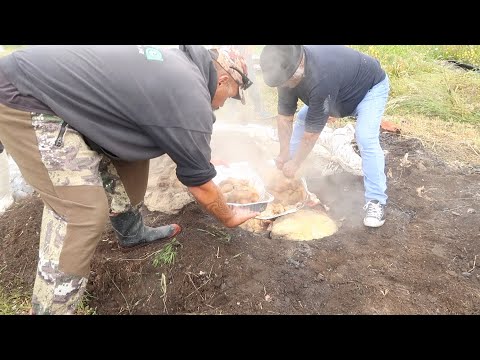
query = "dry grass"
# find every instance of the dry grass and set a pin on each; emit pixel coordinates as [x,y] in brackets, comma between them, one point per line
[13,303]
[84,308]
[456,143]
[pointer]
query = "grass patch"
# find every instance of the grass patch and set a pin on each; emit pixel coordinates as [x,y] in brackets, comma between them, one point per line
[7,49]
[13,300]
[166,256]
[217,233]
[446,94]
[422,85]
[84,308]
[469,54]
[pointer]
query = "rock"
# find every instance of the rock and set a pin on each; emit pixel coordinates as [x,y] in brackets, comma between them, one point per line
[294,263]
[451,273]
[305,224]
[165,193]
[471,211]
[421,167]
[305,250]
[466,274]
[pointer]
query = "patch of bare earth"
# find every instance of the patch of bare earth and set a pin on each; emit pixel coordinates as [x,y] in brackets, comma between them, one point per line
[424,260]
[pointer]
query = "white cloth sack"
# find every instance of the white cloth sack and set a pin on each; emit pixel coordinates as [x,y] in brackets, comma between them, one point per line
[334,153]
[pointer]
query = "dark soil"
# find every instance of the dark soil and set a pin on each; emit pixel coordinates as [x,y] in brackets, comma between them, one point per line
[424,260]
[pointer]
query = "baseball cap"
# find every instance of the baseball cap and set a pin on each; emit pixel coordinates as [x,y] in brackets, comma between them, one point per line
[234,63]
[279,63]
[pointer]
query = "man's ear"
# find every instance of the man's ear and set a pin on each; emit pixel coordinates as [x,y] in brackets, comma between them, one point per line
[223,79]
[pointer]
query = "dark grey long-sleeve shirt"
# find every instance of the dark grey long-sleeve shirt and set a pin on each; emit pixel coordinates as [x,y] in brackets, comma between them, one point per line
[136,102]
[337,78]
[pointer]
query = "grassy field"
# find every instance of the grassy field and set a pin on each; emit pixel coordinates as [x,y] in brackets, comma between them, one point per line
[429,100]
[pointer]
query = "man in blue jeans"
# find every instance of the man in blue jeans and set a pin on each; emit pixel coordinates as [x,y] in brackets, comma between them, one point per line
[335,81]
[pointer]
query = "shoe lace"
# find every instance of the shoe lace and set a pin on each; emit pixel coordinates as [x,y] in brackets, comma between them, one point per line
[373,210]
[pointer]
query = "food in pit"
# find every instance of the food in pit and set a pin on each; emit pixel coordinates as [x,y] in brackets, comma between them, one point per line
[288,193]
[256,225]
[275,209]
[285,190]
[238,191]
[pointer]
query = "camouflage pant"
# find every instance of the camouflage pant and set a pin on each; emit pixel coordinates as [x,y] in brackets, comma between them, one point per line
[54,291]
[69,162]
[113,185]
[54,159]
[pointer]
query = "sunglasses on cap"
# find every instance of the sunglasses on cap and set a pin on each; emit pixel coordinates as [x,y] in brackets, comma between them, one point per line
[246,82]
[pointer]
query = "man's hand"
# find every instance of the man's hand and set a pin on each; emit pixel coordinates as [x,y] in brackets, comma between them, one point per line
[290,168]
[212,199]
[280,161]
[240,216]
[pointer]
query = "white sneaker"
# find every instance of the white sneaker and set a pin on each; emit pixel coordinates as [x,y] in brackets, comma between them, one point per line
[375,214]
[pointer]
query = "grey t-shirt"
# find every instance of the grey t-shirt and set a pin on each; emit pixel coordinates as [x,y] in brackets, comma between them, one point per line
[337,78]
[10,97]
[136,102]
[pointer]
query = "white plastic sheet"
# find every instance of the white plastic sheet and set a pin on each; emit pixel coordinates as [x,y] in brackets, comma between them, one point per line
[6,196]
[20,187]
[13,186]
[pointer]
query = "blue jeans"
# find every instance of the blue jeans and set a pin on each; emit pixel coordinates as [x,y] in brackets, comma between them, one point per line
[369,113]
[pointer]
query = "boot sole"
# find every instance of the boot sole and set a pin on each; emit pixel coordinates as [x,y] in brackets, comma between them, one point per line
[130,248]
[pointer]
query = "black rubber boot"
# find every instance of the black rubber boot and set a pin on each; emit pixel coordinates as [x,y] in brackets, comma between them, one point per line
[132,232]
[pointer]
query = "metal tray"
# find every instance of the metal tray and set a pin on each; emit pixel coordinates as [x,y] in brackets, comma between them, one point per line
[256,206]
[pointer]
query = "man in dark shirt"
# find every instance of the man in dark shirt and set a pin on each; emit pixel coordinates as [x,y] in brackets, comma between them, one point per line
[79,120]
[332,81]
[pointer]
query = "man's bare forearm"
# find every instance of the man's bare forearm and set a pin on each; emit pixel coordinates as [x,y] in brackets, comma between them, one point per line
[212,199]
[305,147]
[284,124]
